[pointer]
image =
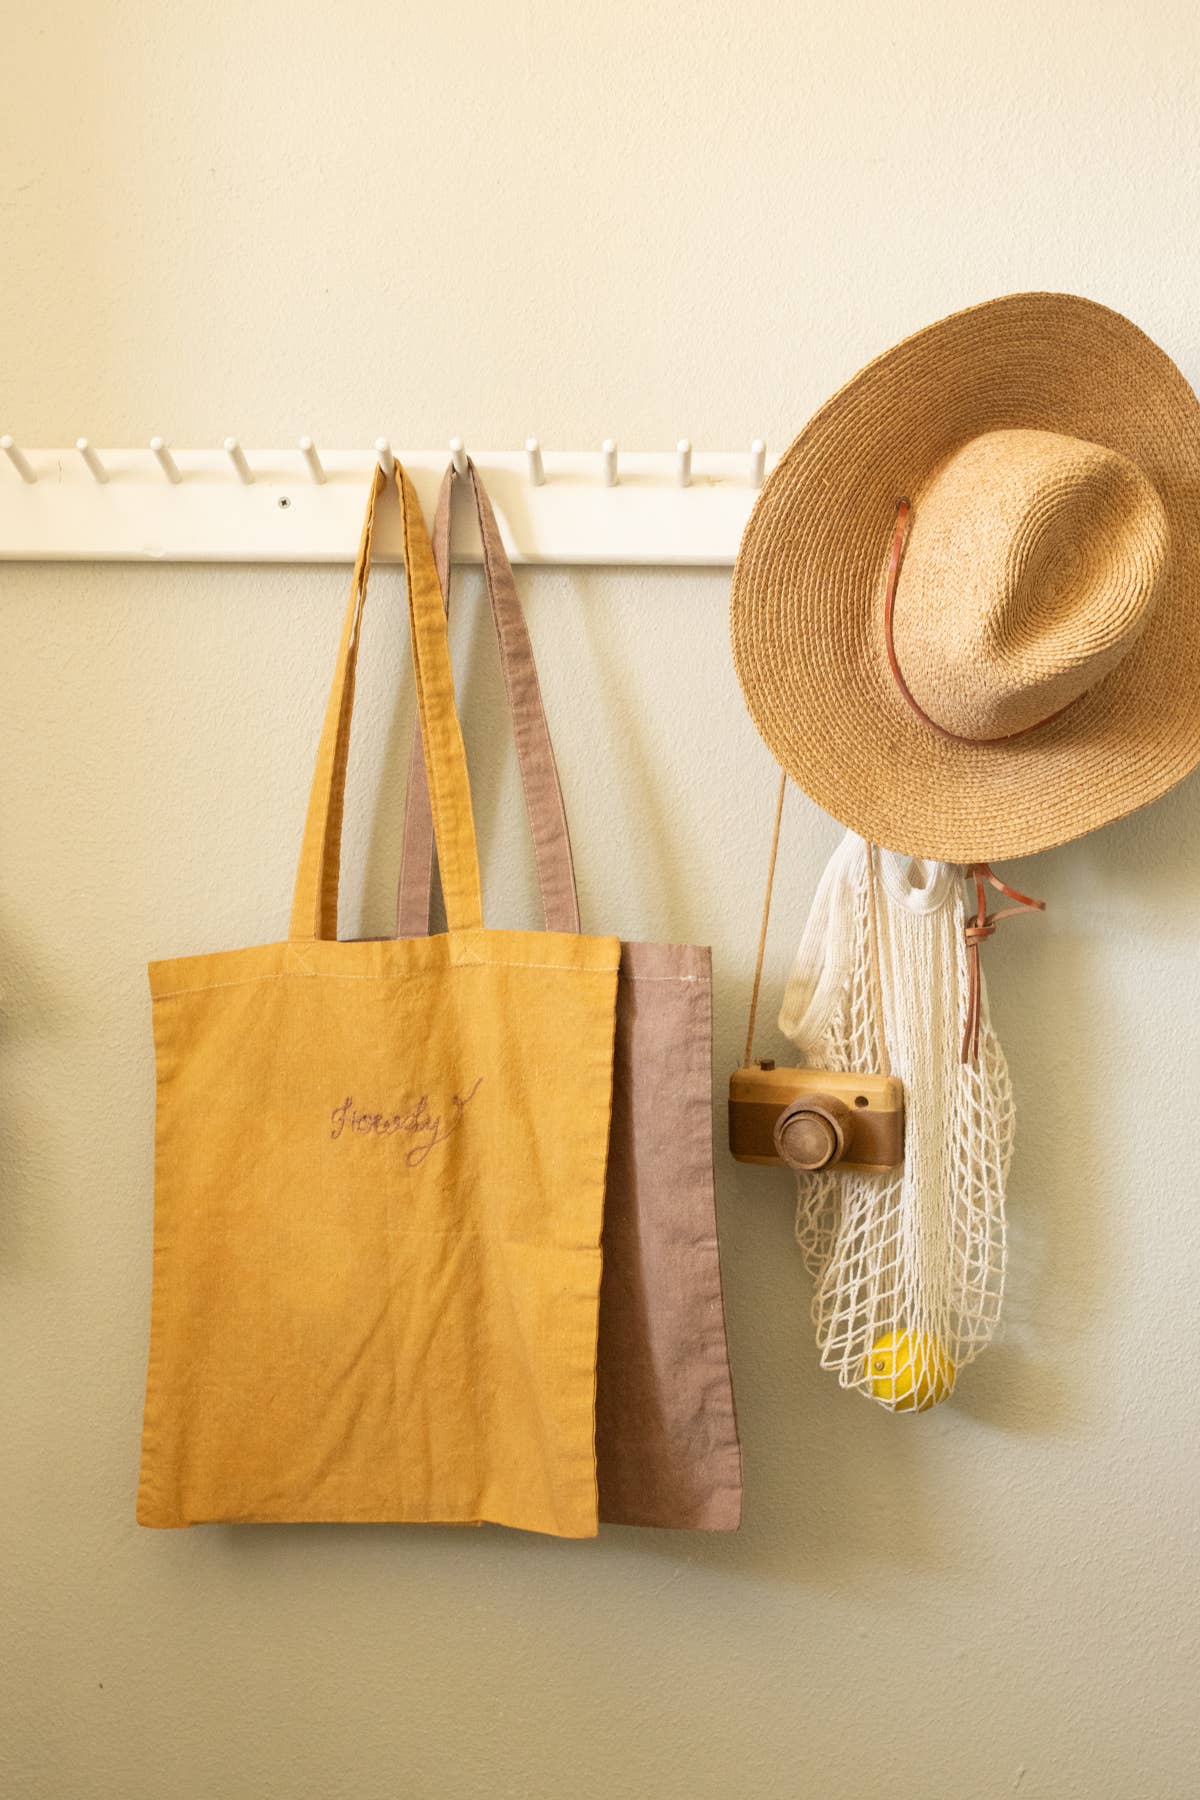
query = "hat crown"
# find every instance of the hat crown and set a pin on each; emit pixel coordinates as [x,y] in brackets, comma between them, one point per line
[1032,563]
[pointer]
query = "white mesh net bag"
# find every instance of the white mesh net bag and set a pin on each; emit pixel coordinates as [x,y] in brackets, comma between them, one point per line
[908,1266]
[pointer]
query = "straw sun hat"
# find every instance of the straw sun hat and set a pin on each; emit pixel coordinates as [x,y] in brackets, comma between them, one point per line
[1013,658]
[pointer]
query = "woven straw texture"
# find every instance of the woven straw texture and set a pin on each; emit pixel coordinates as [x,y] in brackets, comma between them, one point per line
[1119,635]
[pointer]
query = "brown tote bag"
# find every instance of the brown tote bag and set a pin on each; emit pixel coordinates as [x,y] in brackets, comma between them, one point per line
[667,1450]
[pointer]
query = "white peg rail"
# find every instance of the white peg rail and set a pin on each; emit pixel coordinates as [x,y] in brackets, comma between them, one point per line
[234,504]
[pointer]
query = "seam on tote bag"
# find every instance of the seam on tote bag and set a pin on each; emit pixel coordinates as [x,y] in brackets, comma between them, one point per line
[212,987]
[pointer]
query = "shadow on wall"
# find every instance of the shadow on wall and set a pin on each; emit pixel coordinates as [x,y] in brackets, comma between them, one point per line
[32,1005]
[832,1482]
[662,866]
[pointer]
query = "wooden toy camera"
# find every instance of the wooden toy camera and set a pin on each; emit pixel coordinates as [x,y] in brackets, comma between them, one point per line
[816,1118]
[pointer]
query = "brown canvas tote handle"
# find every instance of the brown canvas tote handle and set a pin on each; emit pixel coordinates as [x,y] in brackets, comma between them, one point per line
[535,752]
[315,905]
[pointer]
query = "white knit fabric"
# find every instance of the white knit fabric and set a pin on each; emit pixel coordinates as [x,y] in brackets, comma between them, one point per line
[920,1251]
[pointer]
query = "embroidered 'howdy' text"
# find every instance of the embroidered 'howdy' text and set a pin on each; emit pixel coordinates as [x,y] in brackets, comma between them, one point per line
[427,1127]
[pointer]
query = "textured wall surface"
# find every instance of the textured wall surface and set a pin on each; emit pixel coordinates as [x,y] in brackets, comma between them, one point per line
[576,219]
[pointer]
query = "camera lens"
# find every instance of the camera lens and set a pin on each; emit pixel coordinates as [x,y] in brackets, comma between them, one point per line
[810,1134]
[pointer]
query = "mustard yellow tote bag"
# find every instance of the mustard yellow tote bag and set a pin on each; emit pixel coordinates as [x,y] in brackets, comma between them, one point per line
[379,1185]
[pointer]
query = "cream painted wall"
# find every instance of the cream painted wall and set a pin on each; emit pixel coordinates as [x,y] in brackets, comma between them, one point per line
[576,219]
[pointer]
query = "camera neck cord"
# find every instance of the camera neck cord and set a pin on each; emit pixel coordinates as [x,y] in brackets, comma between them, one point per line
[885,1064]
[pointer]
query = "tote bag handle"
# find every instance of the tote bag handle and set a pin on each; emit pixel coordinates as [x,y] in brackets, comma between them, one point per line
[535,752]
[315,905]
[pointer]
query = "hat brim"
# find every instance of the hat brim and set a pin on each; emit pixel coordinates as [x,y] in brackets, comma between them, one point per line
[807,598]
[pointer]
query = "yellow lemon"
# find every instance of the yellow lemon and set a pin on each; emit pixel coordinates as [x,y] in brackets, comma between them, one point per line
[909,1371]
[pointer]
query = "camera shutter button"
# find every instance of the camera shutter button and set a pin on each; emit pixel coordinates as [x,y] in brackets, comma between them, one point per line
[810,1134]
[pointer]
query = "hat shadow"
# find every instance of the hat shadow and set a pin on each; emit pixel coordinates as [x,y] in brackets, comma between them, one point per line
[1023,1381]
[1057,1003]
[828,1475]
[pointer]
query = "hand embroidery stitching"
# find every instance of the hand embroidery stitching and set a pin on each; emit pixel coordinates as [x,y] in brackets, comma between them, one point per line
[419,1122]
